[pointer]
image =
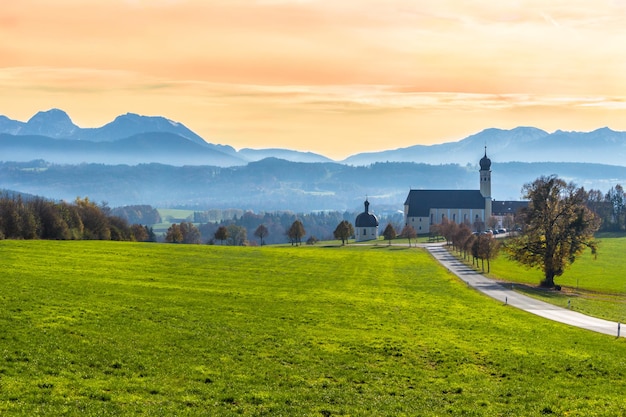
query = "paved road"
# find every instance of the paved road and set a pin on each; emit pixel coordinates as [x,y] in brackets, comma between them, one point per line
[506,295]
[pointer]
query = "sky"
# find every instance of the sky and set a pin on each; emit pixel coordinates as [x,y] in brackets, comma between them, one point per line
[335,77]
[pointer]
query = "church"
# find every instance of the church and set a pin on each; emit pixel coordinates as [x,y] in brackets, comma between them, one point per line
[426,208]
[366,225]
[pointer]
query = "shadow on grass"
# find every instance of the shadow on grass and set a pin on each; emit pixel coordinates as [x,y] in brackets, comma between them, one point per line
[543,292]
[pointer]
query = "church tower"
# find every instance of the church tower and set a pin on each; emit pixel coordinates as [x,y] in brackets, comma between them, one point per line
[485,183]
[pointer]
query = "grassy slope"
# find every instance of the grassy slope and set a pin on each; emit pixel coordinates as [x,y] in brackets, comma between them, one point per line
[112,328]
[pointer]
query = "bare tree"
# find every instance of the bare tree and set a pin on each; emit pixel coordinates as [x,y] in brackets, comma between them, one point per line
[296,232]
[408,232]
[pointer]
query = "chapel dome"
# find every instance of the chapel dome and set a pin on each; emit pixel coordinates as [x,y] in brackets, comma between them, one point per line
[366,219]
[485,163]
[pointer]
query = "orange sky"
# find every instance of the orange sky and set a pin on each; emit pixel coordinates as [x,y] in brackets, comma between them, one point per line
[328,76]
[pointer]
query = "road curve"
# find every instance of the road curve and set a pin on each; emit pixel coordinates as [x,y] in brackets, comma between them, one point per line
[507,295]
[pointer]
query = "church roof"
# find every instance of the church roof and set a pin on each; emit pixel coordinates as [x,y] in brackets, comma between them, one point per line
[502,208]
[421,201]
[366,219]
[485,163]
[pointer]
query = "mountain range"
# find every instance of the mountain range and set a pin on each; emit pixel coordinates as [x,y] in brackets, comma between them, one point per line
[153,160]
[134,139]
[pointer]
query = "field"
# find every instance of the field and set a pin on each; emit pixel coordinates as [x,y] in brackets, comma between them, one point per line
[109,328]
[594,286]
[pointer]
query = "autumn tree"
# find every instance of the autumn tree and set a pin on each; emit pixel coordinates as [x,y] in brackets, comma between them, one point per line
[261,232]
[447,229]
[221,234]
[408,232]
[296,232]
[343,231]
[462,232]
[190,232]
[488,248]
[139,233]
[174,234]
[94,219]
[389,233]
[558,227]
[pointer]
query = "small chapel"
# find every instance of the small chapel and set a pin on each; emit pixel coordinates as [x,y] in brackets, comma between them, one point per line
[426,208]
[366,225]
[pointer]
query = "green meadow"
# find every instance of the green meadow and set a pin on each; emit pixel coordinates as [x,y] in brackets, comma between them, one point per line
[593,285]
[112,328]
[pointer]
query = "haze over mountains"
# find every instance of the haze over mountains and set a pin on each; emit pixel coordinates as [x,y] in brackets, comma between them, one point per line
[153,160]
[133,139]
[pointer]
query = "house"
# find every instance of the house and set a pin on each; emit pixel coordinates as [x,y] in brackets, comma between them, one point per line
[503,210]
[366,225]
[426,208]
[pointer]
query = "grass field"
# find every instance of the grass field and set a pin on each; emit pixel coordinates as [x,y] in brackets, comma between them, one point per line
[594,286]
[109,328]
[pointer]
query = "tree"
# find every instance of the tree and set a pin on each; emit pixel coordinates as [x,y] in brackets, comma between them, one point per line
[93,217]
[488,248]
[312,240]
[492,222]
[408,232]
[617,201]
[119,228]
[343,231]
[174,234]
[261,232]
[558,227]
[221,234]
[139,233]
[389,233]
[447,229]
[296,232]
[190,232]
[508,222]
[237,235]
[461,234]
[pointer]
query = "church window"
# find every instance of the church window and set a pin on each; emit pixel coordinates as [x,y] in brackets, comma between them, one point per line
[364,232]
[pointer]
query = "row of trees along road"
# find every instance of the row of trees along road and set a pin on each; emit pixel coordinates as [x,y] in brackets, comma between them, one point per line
[478,247]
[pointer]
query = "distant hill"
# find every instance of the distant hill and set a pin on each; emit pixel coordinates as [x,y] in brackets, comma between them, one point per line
[274,184]
[143,148]
[286,154]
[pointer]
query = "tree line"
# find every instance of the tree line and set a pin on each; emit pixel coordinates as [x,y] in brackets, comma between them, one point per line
[38,218]
[610,207]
